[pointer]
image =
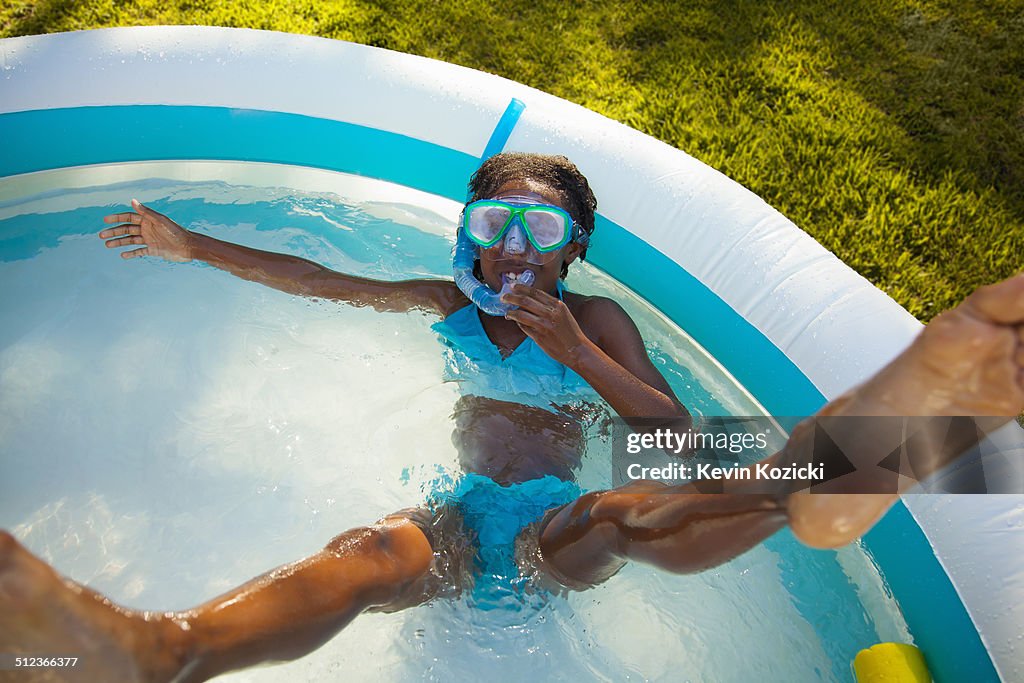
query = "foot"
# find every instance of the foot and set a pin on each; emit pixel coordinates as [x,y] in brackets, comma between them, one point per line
[43,614]
[968,362]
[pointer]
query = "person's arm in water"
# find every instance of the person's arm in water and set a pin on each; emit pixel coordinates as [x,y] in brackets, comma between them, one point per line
[601,343]
[157,235]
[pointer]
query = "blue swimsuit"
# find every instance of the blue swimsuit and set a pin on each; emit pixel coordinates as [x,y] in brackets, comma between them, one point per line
[528,373]
[498,513]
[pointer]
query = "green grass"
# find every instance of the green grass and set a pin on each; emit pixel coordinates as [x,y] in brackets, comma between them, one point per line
[893,132]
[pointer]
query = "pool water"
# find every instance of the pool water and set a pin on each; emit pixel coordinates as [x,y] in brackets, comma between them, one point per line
[168,431]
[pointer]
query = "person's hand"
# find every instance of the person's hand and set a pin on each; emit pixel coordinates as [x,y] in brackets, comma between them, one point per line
[546,320]
[157,234]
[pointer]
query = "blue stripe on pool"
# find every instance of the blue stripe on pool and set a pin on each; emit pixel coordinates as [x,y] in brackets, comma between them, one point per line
[749,356]
[59,138]
[941,626]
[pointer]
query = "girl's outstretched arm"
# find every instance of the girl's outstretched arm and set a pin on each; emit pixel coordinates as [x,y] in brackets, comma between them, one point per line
[157,235]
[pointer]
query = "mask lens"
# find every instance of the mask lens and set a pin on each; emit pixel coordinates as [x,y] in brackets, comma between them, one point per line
[484,223]
[548,228]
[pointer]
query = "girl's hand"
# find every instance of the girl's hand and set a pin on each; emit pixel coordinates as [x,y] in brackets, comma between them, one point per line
[157,234]
[548,321]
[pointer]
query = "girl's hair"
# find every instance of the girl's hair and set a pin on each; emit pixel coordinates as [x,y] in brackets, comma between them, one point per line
[556,172]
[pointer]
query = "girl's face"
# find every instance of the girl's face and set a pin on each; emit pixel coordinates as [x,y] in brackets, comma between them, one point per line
[495,262]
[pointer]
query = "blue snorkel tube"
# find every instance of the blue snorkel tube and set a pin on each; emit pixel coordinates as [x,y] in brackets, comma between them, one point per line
[486,299]
[465,254]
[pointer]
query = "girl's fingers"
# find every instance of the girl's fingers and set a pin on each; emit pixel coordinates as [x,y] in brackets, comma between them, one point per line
[529,303]
[519,300]
[126,217]
[125,241]
[135,253]
[526,318]
[118,230]
[539,294]
[145,210]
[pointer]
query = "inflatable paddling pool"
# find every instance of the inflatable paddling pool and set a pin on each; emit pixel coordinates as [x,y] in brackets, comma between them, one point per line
[786,318]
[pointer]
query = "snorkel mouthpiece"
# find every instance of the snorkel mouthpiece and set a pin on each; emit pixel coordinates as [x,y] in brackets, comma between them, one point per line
[508,279]
[486,299]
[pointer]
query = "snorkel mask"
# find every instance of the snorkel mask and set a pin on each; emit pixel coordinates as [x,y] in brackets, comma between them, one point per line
[519,228]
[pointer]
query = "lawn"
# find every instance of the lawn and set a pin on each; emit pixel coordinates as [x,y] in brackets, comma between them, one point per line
[893,132]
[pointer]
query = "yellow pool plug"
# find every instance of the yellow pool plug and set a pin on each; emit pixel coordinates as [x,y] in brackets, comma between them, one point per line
[891,663]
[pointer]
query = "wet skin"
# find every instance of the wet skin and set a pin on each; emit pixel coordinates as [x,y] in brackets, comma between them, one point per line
[512,442]
[293,609]
[968,362]
[509,441]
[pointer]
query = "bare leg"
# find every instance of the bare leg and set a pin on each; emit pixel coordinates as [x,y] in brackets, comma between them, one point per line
[967,362]
[281,615]
[679,530]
